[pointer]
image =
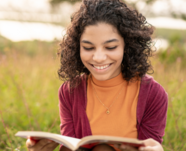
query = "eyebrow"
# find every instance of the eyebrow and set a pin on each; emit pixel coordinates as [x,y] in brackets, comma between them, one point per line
[112,40]
[88,42]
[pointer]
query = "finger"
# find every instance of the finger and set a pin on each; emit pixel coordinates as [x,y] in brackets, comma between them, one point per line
[148,148]
[30,143]
[151,145]
[51,146]
[43,142]
[150,142]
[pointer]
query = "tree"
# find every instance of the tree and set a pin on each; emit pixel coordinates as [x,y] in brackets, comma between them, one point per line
[55,2]
[134,4]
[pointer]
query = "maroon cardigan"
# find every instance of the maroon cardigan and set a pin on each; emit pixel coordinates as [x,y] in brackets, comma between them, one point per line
[151,110]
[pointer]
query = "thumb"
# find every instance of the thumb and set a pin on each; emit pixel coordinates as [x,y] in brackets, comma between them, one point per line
[30,143]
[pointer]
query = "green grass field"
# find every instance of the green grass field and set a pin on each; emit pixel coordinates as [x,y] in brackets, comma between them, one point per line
[29,91]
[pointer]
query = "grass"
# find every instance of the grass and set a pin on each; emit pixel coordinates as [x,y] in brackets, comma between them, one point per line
[29,99]
[29,92]
[173,79]
[170,33]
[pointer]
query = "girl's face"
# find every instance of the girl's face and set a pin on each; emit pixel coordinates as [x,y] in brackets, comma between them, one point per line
[102,50]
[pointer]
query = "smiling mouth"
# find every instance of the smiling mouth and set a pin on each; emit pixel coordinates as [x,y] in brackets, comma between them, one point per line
[101,67]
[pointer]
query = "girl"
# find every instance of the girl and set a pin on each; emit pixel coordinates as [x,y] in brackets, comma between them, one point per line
[104,60]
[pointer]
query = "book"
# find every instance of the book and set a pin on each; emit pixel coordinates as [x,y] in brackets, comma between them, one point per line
[85,142]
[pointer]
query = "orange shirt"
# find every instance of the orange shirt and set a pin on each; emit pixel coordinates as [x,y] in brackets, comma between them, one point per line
[121,98]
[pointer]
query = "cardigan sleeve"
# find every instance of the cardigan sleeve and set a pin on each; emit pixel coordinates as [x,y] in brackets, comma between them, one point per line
[66,125]
[65,112]
[153,122]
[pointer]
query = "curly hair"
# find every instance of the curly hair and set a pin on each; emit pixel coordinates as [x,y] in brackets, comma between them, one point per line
[131,25]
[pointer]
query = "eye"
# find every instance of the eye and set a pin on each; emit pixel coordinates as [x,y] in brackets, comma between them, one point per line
[111,48]
[88,48]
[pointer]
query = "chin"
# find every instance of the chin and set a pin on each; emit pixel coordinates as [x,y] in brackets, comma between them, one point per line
[101,77]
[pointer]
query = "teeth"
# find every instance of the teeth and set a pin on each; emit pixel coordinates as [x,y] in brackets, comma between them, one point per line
[101,67]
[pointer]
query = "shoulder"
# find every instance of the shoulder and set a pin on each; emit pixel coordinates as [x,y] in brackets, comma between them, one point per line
[151,87]
[65,89]
[152,97]
[73,98]
[152,109]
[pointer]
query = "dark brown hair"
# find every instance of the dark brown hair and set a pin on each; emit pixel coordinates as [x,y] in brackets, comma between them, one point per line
[131,25]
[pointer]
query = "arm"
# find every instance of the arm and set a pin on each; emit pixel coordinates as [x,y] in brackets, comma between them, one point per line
[153,122]
[152,125]
[65,112]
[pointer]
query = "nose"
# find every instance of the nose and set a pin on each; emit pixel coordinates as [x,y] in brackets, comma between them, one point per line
[99,56]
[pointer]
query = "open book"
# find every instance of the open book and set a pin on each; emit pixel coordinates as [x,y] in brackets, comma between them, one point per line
[86,142]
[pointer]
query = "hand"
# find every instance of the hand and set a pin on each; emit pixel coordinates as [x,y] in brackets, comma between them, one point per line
[40,144]
[150,145]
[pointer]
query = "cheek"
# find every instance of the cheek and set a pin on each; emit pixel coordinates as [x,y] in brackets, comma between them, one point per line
[84,55]
[120,54]
[117,56]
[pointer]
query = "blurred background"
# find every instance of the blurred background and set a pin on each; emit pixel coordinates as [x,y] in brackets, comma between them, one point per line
[30,31]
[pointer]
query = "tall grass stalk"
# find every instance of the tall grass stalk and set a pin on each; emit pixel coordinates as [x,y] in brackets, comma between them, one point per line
[5,127]
[29,100]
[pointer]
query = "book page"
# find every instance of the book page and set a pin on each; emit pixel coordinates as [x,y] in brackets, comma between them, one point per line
[110,140]
[69,142]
